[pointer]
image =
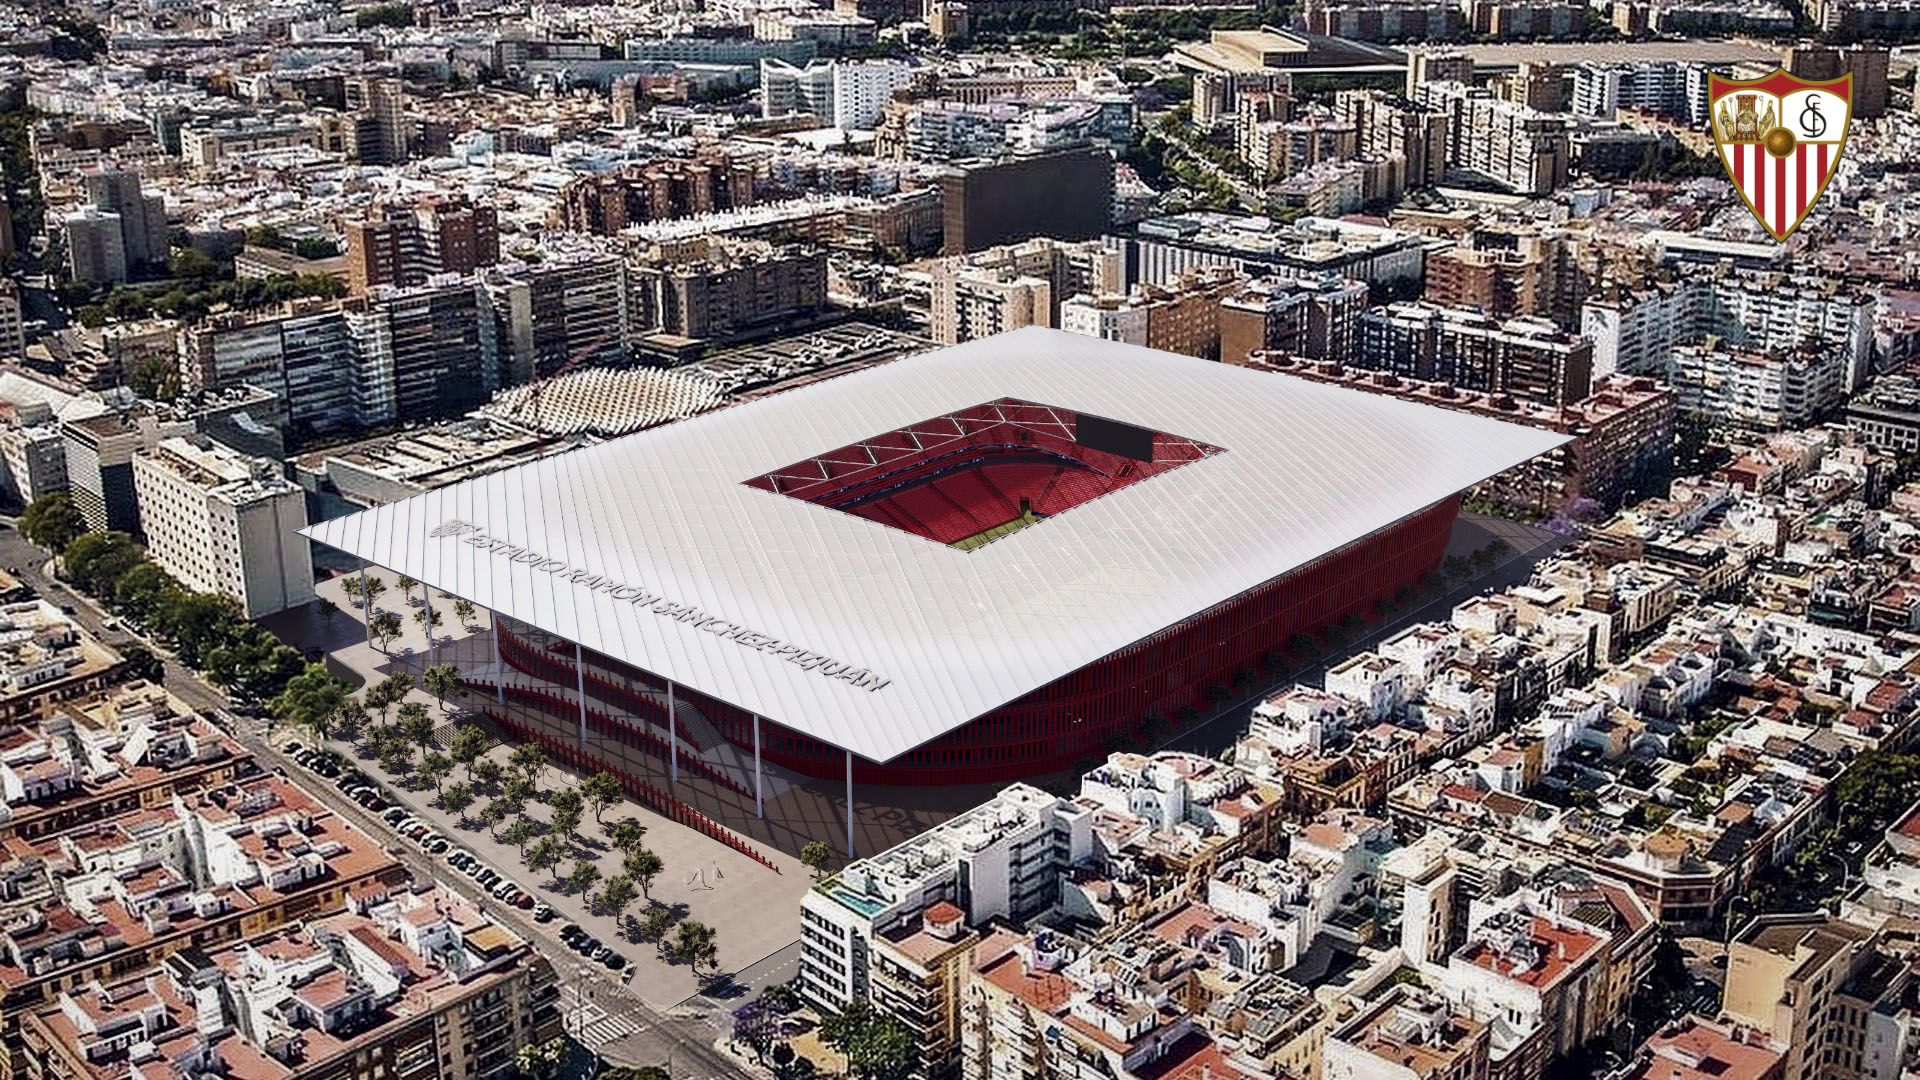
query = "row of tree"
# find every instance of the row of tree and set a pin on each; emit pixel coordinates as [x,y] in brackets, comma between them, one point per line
[206,630]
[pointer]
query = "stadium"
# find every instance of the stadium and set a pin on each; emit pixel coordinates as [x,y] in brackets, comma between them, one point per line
[979,564]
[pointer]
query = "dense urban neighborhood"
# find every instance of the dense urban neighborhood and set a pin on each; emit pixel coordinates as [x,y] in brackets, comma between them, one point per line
[959,540]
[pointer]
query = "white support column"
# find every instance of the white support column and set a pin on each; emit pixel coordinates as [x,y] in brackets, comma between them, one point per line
[499,668]
[849,805]
[426,602]
[366,603]
[759,807]
[673,740]
[580,687]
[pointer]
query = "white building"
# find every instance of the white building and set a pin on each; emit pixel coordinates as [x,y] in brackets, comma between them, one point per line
[845,94]
[1114,318]
[225,523]
[1001,860]
[1666,87]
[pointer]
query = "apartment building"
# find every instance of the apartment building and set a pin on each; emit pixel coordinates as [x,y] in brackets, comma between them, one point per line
[429,350]
[131,745]
[713,289]
[407,245]
[1820,987]
[45,659]
[1005,288]
[96,246]
[1662,87]
[1000,860]
[1388,124]
[98,452]
[142,217]
[1636,330]
[225,523]
[847,94]
[570,309]
[1515,148]
[1762,390]
[412,984]
[209,867]
[1314,316]
[1408,1034]
[1180,319]
[1529,358]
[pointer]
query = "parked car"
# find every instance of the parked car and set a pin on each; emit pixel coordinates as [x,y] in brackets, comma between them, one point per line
[615,961]
[524,901]
[542,913]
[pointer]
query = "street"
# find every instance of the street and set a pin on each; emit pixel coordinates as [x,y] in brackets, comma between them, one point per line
[613,1015]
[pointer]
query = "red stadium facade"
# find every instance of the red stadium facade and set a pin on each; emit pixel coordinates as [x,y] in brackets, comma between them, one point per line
[953,490]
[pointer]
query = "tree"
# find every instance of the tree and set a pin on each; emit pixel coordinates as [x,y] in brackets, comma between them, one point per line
[405,584]
[52,521]
[518,834]
[376,585]
[389,692]
[395,756]
[312,700]
[455,798]
[815,856]
[434,767]
[625,834]
[601,790]
[541,1061]
[487,772]
[351,586]
[197,623]
[385,626]
[565,804]
[468,744]
[493,814]
[516,788]
[429,621]
[95,560]
[642,866]
[142,663]
[529,760]
[350,718]
[884,1050]
[463,611]
[143,589]
[546,854]
[839,1030]
[655,924]
[415,725]
[583,875]
[693,944]
[443,682]
[616,894]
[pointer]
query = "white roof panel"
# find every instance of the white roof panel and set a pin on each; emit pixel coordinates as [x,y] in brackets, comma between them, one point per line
[652,549]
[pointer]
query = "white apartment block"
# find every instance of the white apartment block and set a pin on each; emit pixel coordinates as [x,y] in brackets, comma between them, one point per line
[1522,150]
[1761,390]
[1641,332]
[225,523]
[1000,860]
[1111,318]
[1664,87]
[843,94]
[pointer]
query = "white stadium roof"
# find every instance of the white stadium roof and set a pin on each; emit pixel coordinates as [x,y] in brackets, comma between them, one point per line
[651,548]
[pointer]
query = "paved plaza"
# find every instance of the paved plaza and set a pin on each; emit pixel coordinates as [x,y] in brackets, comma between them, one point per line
[755,910]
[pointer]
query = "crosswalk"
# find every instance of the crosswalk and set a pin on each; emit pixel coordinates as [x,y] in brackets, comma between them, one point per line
[593,1025]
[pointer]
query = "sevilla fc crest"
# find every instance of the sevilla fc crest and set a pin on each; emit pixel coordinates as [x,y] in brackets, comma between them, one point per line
[1780,138]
